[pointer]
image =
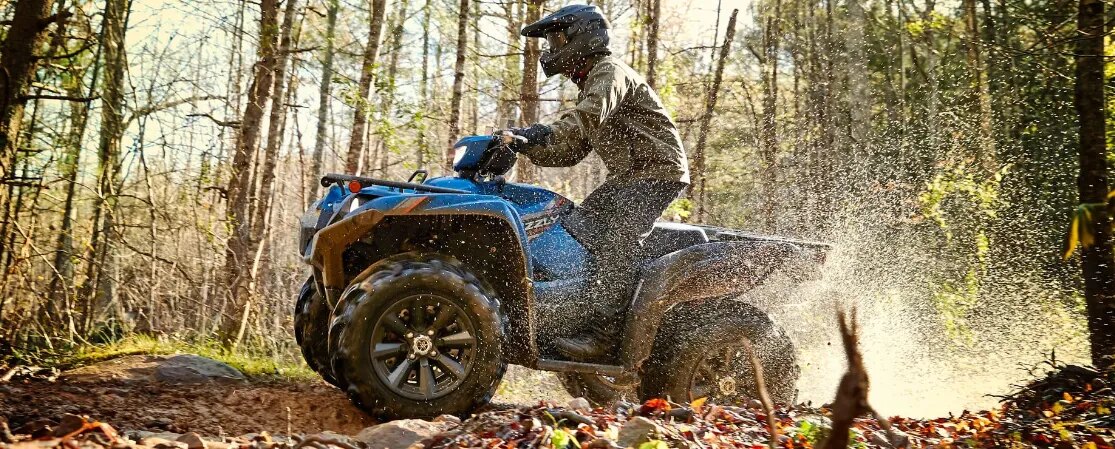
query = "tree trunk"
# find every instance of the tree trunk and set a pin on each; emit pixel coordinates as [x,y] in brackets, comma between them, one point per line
[1098,261]
[859,95]
[17,54]
[397,28]
[768,141]
[242,243]
[99,285]
[655,16]
[424,91]
[276,125]
[933,108]
[980,89]
[458,85]
[71,160]
[525,171]
[363,100]
[325,92]
[474,104]
[697,187]
[511,76]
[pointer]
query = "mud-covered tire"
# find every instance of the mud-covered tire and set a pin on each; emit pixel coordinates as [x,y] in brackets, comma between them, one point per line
[597,389]
[396,312]
[311,330]
[684,367]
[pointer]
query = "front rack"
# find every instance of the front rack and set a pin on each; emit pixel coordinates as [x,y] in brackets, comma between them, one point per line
[344,180]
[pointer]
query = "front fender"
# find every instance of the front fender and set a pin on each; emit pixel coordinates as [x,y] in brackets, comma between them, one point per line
[710,270]
[496,247]
[330,242]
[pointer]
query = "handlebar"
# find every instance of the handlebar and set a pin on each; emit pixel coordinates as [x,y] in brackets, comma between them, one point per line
[336,178]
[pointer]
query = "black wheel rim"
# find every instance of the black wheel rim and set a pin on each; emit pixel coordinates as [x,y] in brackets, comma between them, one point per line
[423,346]
[723,375]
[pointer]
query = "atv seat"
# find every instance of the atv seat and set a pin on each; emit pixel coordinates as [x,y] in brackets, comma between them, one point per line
[668,237]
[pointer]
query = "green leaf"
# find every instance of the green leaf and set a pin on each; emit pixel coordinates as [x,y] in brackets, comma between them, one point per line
[562,438]
[654,444]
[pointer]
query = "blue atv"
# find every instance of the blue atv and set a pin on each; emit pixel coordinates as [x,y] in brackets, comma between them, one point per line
[423,291]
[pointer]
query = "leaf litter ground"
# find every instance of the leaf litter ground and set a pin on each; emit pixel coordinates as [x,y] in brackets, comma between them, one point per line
[1069,407]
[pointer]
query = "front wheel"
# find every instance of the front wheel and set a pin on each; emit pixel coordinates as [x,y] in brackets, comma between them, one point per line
[419,337]
[311,330]
[710,360]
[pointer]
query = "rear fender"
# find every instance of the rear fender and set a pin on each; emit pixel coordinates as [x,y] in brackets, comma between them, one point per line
[489,238]
[710,270]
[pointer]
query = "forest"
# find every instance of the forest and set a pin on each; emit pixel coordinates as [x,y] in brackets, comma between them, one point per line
[157,155]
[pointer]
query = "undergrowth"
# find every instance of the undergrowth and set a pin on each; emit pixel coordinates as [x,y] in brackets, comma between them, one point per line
[254,364]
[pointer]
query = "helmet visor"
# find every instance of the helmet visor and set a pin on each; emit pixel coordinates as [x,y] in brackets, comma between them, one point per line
[555,40]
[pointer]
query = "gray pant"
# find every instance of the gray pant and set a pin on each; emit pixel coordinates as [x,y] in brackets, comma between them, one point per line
[612,223]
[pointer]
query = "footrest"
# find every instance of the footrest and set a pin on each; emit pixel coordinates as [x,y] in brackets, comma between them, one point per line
[579,367]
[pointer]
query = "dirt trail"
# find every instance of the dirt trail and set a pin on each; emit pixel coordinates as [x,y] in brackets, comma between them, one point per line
[134,393]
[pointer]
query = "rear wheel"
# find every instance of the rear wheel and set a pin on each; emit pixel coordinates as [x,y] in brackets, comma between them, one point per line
[311,330]
[419,337]
[711,360]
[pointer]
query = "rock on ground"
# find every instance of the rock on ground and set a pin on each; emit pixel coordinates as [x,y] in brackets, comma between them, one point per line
[402,434]
[173,369]
[637,430]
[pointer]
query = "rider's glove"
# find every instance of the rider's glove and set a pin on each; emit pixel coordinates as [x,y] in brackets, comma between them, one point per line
[521,138]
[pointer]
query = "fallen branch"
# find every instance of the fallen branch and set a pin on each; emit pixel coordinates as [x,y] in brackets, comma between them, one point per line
[764,396]
[851,395]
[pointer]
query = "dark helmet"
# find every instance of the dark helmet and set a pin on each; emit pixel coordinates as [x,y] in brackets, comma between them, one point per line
[572,33]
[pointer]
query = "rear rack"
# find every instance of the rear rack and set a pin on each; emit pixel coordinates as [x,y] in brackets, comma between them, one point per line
[336,178]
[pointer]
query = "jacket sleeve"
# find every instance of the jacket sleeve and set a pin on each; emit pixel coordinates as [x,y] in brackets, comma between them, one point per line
[574,131]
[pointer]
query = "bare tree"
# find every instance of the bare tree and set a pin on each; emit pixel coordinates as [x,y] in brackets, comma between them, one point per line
[654,17]
[99,283]
[424,89]
[390,87]
[697,187]
[276,124]
[242,244]
[367,73]
[17,54]
[768,133]
[325,91]
[61,284]
[458,85]
[528,93]
[981,90]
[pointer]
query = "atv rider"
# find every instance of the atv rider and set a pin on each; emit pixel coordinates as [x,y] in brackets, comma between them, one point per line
[619,116]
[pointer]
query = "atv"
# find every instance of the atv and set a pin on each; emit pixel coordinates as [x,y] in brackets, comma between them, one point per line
[423,291]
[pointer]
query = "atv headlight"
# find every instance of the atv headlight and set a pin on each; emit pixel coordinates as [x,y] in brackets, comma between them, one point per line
[308,226]
[459,153]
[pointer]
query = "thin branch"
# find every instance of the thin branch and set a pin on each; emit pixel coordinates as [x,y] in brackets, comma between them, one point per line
[153,108]
[230,124]
[59,97]
[88,44]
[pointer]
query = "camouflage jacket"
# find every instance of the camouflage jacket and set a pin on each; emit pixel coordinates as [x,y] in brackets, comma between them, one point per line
[620,117]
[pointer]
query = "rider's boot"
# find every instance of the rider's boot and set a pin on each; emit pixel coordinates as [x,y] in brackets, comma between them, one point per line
[600,343]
